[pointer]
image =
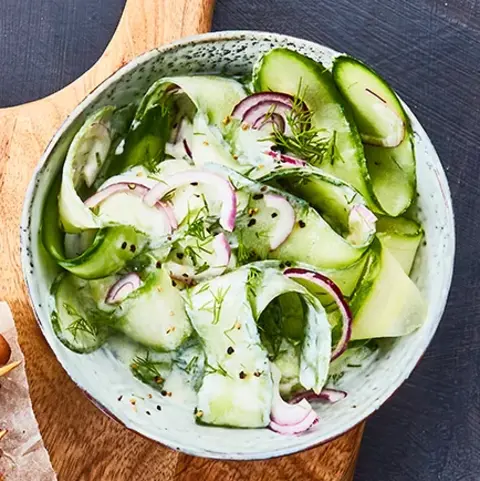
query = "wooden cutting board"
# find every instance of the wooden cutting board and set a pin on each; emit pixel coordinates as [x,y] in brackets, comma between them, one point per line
[84,444]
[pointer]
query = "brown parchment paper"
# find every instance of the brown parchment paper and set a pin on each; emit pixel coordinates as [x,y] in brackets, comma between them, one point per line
[23,456]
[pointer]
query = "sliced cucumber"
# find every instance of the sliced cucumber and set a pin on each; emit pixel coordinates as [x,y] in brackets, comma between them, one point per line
[51,233]
[311,241]
[88,150]
[312,330]
[214,95]
[393,175]
[110,249]
[401,236]
[236,368]
[380,311]
[385,128]
[154,314]
[283,70]
[76,321]
[109,252]
[208,144]
[331,197]
[379,116]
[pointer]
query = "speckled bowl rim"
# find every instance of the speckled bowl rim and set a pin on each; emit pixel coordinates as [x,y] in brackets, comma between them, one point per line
[94,94]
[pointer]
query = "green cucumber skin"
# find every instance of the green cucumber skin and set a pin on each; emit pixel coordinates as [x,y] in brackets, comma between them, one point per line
[103,258]
[106,255]
[336,72]
[64,283]
[350,138]
[401,237]
[393,100]
[368,277]
[50,231]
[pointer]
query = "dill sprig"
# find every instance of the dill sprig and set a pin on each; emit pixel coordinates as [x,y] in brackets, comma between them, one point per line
[254,281]
[209,369]
[146,363]
[202,268]
[81,324]
[218,299]
[214,305]
[305,141]
[192,364]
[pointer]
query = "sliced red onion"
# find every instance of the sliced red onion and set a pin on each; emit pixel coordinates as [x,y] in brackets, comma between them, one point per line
[284,222]
[262,111]
[123,288]
[227,193]
[329,286]
[270,122]
[361,223]
[135,188]
[286,159]
[219,262]
[288,418]
[330,395]
[307,423]
[247,103]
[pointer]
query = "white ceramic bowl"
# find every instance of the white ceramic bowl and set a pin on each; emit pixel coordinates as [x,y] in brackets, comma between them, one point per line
[103,378]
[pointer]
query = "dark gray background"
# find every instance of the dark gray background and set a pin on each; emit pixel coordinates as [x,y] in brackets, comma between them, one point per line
[430,51]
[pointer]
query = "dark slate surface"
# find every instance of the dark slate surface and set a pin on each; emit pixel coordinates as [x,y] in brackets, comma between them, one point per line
[430,51]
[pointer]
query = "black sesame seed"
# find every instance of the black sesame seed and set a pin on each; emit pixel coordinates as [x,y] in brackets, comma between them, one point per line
[148,412]
[185,275]
[258,196]
[163,393]
[274,214]
[174,284]
[264,188]
[133,248]
[194,183]
[288,264]
[180,255]
[158,265]
[124,245]
[242,375]
[251,222]
[159,408]
[301,224]
[120,398]
[230,350]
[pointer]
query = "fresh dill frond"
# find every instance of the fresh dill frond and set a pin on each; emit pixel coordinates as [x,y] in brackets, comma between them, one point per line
[81,324]
[146,364]
[254,281]
[209,369]
[305,141]
[202,268]
[218,299]
[192,364]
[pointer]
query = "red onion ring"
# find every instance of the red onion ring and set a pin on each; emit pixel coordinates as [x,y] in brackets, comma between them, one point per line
[329,286]
[138,189]
[123,288]
[227,193]
[330,395]
[247,103]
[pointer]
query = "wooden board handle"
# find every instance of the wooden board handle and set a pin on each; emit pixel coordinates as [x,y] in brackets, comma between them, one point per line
[146,24]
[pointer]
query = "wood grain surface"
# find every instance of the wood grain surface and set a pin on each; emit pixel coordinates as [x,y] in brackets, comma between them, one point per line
[83,443]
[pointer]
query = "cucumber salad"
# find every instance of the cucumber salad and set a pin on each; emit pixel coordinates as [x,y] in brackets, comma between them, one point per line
[246,240]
